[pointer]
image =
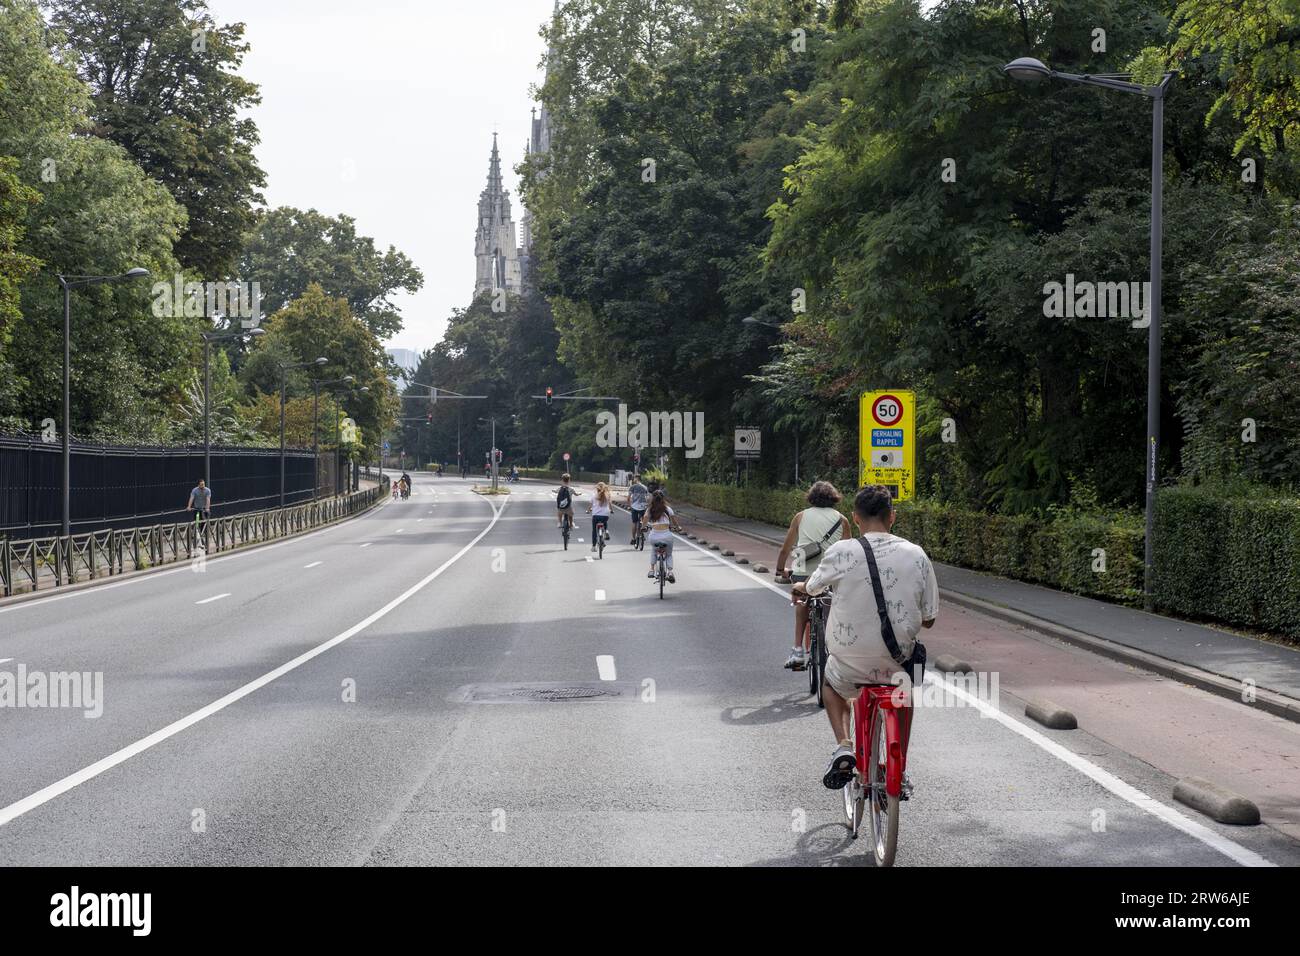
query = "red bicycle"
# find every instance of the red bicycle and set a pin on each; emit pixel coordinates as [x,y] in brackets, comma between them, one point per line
[881,721]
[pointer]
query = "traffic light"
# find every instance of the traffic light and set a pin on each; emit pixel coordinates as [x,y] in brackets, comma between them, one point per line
[498,456]
[429,418]
[550,394]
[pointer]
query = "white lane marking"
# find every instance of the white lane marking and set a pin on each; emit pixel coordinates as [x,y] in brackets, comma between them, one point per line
[399,531]
[1115,785]
[215,598]
[314,564]
[60,787]
[366,545]
[5,660]
[600,594]
[418,520]
[590,559]
[605,666]
[185,566]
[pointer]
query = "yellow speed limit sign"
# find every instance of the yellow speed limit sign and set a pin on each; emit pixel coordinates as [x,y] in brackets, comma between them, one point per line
[887,441]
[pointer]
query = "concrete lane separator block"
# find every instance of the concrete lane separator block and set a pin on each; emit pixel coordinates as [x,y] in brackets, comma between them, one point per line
[952,664]
[714,547]
[741,559]
[761,568]
[1050,715]
[728,553]
[1216,802]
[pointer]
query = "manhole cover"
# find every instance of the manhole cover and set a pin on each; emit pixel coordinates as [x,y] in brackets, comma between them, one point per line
[546,692]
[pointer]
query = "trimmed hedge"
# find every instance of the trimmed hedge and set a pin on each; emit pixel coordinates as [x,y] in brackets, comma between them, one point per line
[1231,560]
[1234,561]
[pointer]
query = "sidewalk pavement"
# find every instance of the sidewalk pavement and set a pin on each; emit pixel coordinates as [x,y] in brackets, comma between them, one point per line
[1221,662]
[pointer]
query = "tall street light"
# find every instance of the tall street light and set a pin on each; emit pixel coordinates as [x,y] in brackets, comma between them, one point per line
[284,375]
[1027,68]
[208,339]
[69,283]
[316,386]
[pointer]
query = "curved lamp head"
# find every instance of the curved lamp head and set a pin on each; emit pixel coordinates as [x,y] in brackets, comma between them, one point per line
[349,379]
[322,361]
[1027,68]
[255,333]
[136,273]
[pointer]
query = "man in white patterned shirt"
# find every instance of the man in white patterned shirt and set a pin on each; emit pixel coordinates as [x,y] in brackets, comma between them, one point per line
[854,643]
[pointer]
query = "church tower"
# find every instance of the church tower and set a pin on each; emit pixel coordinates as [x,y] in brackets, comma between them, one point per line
[495,248]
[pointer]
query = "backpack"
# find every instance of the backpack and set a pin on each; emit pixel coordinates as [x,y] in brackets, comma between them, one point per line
[564,498]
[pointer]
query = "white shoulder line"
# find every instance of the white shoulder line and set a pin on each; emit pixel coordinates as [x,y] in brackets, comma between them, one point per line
[1229,848]
[46,794]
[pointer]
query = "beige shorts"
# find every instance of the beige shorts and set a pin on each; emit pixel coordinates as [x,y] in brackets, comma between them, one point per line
[844,678]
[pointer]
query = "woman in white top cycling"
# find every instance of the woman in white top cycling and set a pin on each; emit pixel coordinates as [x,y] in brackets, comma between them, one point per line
[599,511]
[660,523]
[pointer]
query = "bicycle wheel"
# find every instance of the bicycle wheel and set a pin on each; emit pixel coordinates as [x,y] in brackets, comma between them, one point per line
[814,678]
[819,655]
[663,578]
[565,531]
[884,808]
[854,796]
[600,542]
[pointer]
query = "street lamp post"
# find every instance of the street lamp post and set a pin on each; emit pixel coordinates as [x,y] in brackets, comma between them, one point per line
[1029,69]
[284,375]
[316,386]
[69,283]
[208,339]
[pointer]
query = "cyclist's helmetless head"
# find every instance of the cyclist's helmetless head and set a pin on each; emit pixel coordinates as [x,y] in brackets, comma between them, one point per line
[565,477]
[874,504]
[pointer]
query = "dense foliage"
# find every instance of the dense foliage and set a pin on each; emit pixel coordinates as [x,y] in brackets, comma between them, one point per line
[863,175]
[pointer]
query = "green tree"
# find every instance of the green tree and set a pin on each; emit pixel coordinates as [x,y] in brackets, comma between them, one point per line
[289,249]
[164,76]
[316,325]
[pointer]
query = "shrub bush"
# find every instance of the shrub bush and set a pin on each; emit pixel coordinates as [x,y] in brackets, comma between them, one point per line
[1219,557]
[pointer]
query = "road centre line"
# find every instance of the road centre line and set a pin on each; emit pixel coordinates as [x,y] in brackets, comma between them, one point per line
[211,599]
[605,667]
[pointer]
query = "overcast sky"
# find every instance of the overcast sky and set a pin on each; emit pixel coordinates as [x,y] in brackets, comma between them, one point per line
[384,110]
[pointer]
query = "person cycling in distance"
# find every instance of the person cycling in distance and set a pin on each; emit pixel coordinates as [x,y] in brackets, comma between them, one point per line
[660,522]
[599,511]
[406,484]
[810,534]
[854,639]
[564,501]
[638,496]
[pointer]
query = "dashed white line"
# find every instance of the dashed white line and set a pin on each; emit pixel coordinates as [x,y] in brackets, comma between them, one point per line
[600,594]
[366,545]
[216,597]
[605,667]
[314,564]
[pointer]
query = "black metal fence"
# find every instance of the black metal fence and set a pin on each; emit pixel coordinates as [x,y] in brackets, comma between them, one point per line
[118,486]
[42,563]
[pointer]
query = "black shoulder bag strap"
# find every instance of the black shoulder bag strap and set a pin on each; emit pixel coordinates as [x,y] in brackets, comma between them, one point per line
[886,626]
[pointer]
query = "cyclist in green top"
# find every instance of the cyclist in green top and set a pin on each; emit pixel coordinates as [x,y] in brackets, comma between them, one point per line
[812,531]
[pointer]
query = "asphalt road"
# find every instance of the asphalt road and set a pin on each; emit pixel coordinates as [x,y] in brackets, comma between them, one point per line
[361,696]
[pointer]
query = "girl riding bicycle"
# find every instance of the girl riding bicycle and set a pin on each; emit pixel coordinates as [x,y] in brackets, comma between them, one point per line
[599,511]
[660,523]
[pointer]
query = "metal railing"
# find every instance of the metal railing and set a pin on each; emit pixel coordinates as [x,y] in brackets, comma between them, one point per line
[40,563]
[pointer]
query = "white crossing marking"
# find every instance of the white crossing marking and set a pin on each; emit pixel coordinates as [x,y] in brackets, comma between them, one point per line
[600,594]
[211,599]
[605,666]
[314,564]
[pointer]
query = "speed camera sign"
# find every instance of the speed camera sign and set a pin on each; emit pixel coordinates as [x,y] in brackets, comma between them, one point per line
[749,442]
[887,441]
